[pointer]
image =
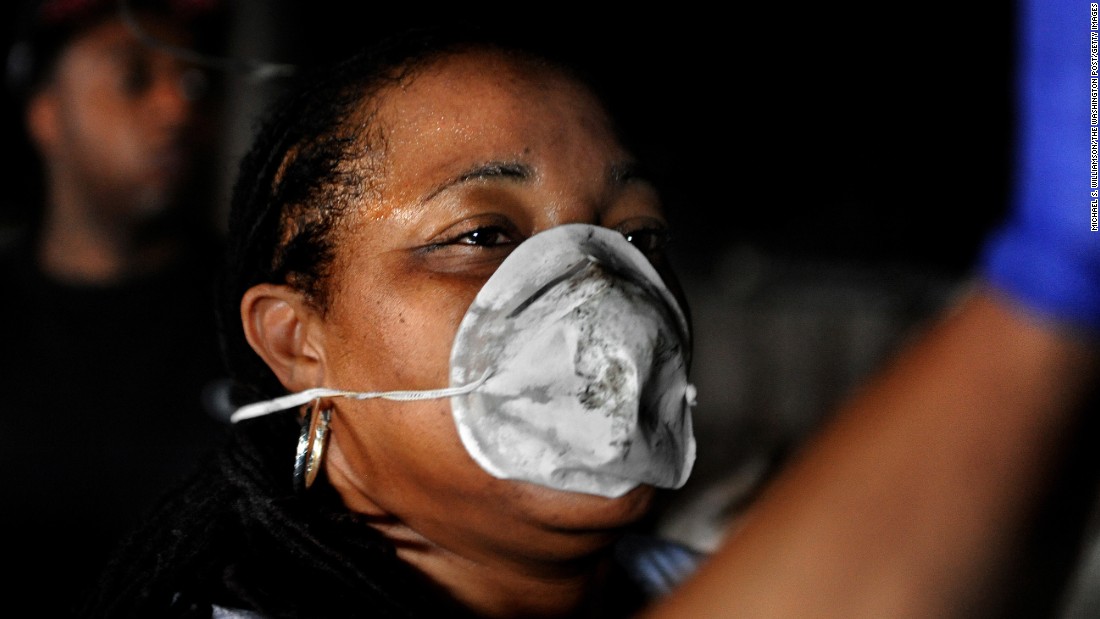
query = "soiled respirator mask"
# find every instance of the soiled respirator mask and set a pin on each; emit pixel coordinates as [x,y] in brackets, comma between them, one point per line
[569,369]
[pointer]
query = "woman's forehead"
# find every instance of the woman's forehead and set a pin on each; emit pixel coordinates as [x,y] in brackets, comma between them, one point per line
[482,107]
[491,96]
[475,78]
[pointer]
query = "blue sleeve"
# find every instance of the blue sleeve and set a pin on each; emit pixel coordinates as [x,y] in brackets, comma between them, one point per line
[1046,254]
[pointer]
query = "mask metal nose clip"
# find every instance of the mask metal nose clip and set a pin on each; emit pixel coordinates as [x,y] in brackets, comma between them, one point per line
[564,276]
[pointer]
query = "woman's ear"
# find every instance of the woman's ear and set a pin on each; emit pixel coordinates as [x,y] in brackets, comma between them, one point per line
[277,323]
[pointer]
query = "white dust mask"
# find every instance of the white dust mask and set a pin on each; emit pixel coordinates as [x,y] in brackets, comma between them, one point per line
[569,369]
[585,350]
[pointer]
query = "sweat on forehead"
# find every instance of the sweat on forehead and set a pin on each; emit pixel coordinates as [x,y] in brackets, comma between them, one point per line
[332,173]
[340,151]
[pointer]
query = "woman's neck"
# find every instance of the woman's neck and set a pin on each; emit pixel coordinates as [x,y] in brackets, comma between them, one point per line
[498,587]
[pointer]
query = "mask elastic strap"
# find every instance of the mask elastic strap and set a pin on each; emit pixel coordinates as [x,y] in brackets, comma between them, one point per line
[259,409]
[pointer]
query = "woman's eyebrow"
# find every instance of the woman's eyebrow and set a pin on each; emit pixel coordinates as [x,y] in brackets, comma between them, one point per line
[482,171]
[496,168]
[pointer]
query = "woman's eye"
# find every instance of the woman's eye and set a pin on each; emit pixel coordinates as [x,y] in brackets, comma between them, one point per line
[648,240]
[489,236]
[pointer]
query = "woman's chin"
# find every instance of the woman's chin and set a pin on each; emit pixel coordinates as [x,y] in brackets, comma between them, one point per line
[582,512]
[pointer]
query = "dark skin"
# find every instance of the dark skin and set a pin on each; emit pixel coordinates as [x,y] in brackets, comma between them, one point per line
[480,153]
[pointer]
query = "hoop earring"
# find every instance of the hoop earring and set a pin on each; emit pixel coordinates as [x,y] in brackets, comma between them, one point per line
[311,445]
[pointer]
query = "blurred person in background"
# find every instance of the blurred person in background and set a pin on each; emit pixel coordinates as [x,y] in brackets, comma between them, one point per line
[107,263]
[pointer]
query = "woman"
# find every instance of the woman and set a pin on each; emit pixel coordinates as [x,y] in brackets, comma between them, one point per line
[402,231]
[359,240]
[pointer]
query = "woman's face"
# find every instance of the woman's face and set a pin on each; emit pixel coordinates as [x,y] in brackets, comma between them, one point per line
[480,154]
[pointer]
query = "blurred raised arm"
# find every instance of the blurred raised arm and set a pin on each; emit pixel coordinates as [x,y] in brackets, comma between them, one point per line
[914,500]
